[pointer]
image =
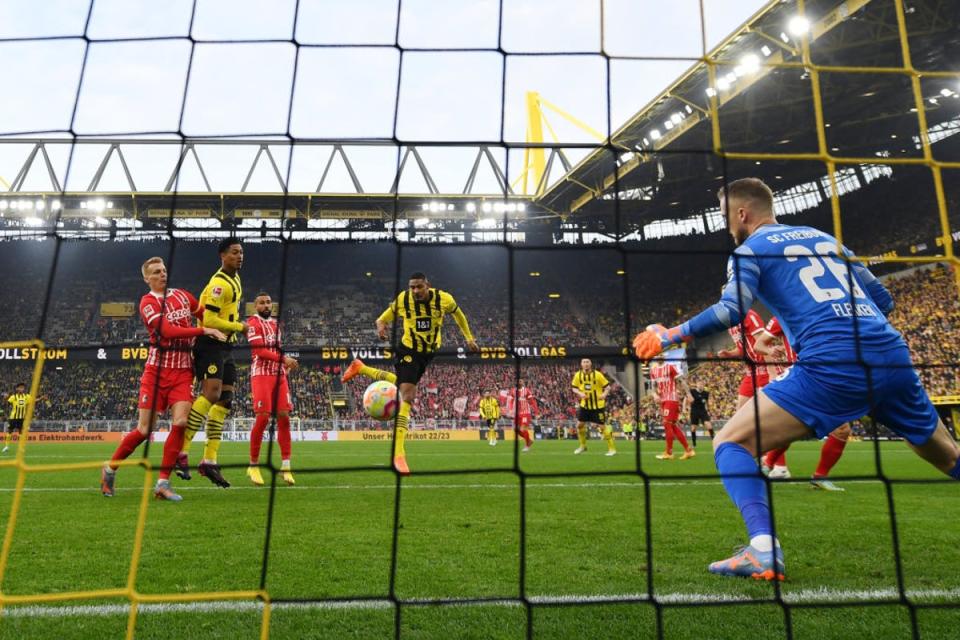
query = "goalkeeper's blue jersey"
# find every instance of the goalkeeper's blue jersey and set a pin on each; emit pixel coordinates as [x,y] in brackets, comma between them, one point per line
[826,303]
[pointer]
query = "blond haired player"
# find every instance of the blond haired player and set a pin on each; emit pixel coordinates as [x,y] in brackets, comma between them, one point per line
[167,381]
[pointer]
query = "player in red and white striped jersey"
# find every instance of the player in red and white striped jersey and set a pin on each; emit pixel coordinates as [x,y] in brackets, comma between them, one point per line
[268,381]
[779,360]
[753,326]
[526,409]
[668,387]
[167,380]
[781,357]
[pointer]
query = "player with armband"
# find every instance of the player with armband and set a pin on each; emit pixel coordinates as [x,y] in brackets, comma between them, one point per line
[852,361]
[167,381]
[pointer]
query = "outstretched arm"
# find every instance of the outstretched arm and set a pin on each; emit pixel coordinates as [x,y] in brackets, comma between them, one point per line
[737,298]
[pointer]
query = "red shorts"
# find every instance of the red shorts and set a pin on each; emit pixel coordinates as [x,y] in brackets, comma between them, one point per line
[523,420]
[746,384]
[175,385]
[263,390]
[670,411]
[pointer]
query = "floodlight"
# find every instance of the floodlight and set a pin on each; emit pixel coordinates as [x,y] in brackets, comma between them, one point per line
[798,26]
[750,63]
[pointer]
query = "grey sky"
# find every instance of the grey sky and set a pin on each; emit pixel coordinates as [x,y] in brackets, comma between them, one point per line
[133,87]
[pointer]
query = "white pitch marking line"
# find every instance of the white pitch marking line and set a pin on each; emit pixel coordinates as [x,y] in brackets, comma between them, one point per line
[407,485]
[806,596]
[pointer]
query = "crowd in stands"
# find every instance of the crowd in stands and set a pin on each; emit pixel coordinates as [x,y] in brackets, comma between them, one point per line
[928,315]
[333,293]
[84,391]
[443,383]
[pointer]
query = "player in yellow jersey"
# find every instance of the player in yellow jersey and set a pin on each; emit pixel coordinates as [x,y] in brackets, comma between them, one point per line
[421,310]
[19,401]
[490,411]
[213,361]
[592,387]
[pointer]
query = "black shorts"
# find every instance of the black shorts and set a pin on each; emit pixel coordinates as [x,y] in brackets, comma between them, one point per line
[596,416]
[213,360]
[15,424]
[492,423]
[699,417]
[411,365]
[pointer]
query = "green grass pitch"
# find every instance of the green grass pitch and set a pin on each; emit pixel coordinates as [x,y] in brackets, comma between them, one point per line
[459,538]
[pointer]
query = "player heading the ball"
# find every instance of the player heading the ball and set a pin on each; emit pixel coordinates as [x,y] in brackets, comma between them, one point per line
[421,310]
[852,362]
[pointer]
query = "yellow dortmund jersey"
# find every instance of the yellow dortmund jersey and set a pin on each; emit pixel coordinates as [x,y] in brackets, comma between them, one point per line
[18,405]
[221,303]
[592,384]
[489,408]
[422,321]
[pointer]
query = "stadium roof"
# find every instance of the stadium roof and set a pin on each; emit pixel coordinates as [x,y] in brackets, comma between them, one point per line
[661,164]
[662,161]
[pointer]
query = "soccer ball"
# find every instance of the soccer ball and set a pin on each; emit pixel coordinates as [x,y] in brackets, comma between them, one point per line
[380,400]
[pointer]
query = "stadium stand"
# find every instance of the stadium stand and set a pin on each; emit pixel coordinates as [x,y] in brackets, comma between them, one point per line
[927,313]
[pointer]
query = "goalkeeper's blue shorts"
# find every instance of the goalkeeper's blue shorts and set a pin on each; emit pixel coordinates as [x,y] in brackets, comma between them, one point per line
[884,386]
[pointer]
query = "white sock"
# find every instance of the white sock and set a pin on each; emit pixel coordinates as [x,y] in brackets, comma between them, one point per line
[285,465]
[780,466]
[763,543]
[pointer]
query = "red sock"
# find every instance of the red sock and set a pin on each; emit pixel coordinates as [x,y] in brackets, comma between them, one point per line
[668,431]
[171,449]
[283,436]
[682,439]
[130,442]
[256,436]
[829,454]
[776,458]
